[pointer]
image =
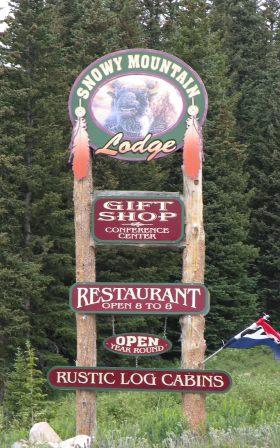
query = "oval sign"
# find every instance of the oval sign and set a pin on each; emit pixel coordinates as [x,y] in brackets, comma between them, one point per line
[137,344]
[136,103]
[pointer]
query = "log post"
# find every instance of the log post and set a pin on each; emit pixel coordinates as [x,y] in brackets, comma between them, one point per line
[86,324]
[192,327]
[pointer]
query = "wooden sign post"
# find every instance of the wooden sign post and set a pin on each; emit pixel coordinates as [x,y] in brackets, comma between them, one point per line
[138,105]
[86,324]
[193,343]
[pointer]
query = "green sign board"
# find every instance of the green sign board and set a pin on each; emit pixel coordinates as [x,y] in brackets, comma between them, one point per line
[136,103]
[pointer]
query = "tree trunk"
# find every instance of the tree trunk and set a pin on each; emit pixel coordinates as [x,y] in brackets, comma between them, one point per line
[28,198]
[86,324]
[192,327]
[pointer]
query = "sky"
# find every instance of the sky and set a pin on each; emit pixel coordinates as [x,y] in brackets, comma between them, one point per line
[4,9]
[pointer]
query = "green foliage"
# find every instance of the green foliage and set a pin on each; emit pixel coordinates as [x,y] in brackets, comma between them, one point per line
[248,413]
[249,32]
[234,46]
[251,403]
[229,257]
[36,226]
[268,436]
[24,400]
[23,281]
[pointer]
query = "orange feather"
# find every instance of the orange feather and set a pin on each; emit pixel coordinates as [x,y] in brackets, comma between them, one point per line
[192,150]
[81,151]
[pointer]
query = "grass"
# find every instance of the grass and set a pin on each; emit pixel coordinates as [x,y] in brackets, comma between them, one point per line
[246,416]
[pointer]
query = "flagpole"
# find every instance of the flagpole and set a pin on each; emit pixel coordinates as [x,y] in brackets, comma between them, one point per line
[215,353]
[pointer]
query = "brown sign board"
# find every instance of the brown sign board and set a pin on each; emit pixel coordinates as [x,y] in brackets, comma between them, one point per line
[137,344]
[112,378]
[138,218]
[139,298]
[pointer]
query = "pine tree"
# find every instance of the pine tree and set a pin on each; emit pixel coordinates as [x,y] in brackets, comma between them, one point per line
[228,255]
[14,389]
[234,46]
[265,173]
[190,41]
[105,27]
[39,210]
[250,32]
[34,402]
[20,279]
[151,17]
[271,12]
[126,23]
[24,401]
[244,37]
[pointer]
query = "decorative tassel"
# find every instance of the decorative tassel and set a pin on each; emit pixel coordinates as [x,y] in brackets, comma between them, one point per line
[192,150]
[80,146]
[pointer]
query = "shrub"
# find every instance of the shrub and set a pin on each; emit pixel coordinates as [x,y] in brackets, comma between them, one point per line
[24,400]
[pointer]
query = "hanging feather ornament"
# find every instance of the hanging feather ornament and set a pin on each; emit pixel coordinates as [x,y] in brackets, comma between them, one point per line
[80,150]
[192,150]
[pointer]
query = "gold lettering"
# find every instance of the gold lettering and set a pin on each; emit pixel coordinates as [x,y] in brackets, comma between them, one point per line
[114,141]
[153,148]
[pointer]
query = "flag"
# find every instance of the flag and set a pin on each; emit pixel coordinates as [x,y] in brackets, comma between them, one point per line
[259,333]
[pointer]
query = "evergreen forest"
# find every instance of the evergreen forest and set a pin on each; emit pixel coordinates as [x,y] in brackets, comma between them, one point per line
[235,48]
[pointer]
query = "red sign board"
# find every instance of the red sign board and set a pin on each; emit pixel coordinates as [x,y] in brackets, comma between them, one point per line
[138,218]
[111,378]
[137,344]
[140,298]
